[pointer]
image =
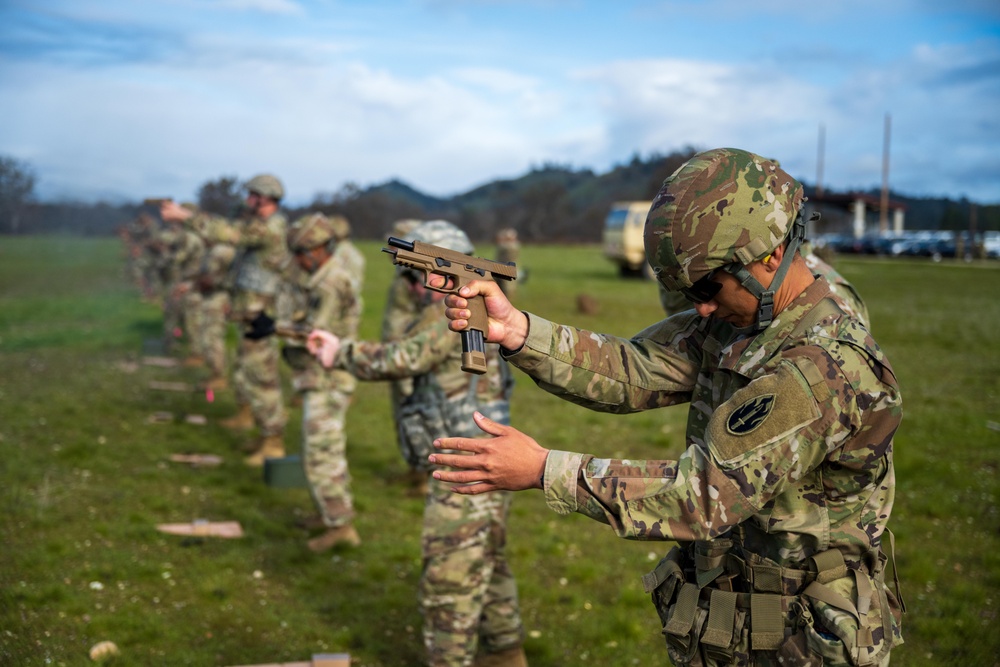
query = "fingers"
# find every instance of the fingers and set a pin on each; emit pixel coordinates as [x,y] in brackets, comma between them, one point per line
[315,341]
[487,425]
[324,346]
[474,489]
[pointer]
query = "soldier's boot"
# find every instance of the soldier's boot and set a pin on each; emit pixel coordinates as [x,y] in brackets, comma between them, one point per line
[512,657]
[311,522]
[334,536]
[271,447]
[241,421]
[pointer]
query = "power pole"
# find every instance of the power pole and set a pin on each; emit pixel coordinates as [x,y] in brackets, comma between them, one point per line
[883,216]
[820,149]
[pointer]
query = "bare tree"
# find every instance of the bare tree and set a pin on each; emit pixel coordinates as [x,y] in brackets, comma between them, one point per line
[17,183]
[221,196]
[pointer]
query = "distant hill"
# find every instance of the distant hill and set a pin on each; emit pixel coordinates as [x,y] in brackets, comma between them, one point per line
[558,203]
[551,203]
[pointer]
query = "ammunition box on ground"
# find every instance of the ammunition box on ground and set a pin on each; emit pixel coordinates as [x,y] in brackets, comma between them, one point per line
[285,473]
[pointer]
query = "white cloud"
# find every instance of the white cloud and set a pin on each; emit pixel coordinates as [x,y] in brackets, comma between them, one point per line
[284,7]
[322,104]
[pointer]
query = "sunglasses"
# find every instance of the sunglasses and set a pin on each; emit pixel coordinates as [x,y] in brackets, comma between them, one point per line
[705,289]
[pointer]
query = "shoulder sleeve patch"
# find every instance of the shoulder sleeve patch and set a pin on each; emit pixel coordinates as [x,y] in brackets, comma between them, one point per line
[765,411]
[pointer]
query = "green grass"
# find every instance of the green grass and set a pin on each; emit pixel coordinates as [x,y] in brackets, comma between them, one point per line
[84,478]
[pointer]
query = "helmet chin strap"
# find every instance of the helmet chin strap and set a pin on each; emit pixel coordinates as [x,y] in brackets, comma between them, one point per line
[765,297]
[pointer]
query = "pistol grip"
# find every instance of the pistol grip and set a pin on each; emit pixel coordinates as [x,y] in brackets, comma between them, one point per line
[473,351]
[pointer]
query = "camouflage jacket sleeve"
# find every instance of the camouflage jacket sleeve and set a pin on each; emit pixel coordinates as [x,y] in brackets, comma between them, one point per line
[418,353]
[656,368]
[765,441]
[815,421]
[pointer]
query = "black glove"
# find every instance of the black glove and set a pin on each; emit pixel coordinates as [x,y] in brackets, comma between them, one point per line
[261,326]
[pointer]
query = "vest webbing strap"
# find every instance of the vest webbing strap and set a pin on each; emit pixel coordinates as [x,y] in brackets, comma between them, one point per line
[683,619]
[666,568]
[721,619]
[895,572]
[830,565]
[767,624]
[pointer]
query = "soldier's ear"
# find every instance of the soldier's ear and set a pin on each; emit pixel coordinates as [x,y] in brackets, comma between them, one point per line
[773,260]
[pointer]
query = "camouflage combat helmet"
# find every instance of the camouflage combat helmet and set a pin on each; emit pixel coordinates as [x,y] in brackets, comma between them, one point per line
[266,185]
[724,209]
[442,233]
[313,230]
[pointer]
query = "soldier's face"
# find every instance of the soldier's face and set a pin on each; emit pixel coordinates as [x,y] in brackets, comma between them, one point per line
[311,260]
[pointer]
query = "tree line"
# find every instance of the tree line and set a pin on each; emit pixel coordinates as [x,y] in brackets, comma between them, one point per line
[550,203]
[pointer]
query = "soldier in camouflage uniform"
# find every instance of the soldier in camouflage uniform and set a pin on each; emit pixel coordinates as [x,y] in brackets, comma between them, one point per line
[137,236]
[216,304]
[181,252]
[780,503]
[333,271]
[262,257]
[468,595]
[401,310]
[508,251]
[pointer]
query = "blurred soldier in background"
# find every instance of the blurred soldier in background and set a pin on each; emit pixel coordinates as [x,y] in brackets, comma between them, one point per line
[508,250]
[839,285]
[262,257]
[138,235]
[333,271]
[468,595]
[216,304]
[401,309]
[780,502]
[181,250]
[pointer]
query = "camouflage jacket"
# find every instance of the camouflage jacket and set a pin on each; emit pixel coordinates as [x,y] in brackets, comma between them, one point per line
[789,436]
[333,303]
[263,257]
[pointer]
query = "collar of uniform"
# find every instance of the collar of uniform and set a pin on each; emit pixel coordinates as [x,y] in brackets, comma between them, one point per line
[321,273]
[744,355]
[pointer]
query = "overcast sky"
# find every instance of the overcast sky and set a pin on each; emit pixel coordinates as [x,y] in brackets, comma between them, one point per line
[124,99]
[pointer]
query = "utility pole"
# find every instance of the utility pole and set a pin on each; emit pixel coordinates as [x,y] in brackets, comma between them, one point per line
[820,149]
[883,216]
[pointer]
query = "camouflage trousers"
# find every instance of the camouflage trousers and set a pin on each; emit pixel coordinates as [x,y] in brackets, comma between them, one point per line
[468,594]
[193,321]
[257,383]
[324,454]
[211,334]
[173,315]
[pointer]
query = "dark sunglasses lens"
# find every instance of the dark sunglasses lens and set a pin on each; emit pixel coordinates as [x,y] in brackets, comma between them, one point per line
[702,291]
[413,277]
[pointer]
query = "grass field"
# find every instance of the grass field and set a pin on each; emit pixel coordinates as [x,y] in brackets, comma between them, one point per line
[84,477]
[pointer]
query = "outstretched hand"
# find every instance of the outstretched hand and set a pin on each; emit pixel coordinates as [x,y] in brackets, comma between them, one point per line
[508,326]
[510,461]
[324,346]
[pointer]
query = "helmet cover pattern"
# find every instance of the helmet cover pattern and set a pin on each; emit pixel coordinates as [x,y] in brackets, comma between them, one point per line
[313,230]
[444,234]
[721,207]
[266,185]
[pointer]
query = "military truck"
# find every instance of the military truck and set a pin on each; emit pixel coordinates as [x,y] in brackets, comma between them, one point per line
[622,237]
